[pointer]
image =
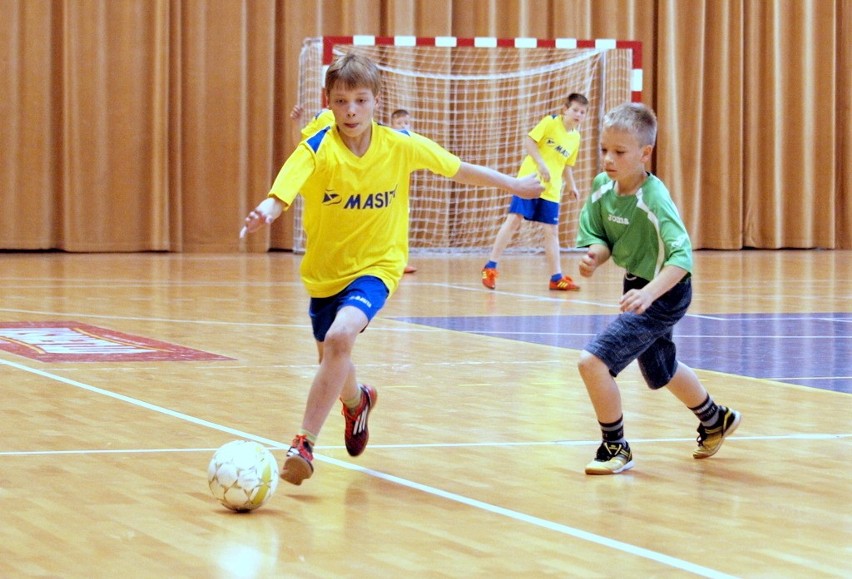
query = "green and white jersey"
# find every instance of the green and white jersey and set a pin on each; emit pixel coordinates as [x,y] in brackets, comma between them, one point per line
[643,231]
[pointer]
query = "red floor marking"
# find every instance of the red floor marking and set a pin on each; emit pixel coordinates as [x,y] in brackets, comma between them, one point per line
[76,342]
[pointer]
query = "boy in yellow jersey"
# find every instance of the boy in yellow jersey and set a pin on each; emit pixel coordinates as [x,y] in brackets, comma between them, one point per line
[630,216]
[354,179]
[401,121]
[321,120]
[552,148]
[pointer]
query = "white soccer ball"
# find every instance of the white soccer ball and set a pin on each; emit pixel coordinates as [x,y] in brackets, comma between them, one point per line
[242,475]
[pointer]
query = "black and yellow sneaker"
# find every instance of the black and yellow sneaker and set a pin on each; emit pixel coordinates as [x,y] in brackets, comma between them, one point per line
[710,439]
[612,458]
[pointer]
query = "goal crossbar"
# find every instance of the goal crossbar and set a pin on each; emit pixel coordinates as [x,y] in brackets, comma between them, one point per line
[479,97]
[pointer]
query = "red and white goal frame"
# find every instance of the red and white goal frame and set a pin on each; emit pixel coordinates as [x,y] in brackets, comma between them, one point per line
[479,97]
[635,46]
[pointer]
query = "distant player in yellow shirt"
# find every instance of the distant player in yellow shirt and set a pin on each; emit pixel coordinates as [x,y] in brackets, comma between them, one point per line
[401,121]
[552,148]
[354,179]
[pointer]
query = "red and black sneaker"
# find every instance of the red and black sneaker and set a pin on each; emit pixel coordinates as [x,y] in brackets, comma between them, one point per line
[357,434]
[298,465]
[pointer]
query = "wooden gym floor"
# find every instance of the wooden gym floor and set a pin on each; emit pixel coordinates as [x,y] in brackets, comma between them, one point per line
[122,373]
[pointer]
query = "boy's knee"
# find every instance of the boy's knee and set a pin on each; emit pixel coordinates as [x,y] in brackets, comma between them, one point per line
[589,363]
[338,340]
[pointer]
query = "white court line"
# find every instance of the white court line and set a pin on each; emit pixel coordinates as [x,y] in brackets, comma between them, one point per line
[804,436]
[550,525]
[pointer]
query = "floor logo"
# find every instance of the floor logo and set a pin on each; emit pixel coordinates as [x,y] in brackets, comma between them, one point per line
[75,342]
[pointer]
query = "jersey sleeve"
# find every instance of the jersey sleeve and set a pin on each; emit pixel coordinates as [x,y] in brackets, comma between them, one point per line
[294,174]
[321,120]
[678,246]
[540,129]
[432,156]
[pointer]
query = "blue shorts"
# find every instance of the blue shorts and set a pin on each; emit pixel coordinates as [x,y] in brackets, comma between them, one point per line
[367,293]
[539,209]
[645,337]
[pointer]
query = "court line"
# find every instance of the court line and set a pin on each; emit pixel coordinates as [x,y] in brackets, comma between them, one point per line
[374,446]
[521,517]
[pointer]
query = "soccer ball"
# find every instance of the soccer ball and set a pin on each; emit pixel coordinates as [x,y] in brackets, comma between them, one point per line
[242,475]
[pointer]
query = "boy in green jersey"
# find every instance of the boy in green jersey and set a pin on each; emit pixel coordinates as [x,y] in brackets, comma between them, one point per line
[630,217]
[353,177]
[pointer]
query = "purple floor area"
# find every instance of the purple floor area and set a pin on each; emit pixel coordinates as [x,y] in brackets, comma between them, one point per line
[806,349]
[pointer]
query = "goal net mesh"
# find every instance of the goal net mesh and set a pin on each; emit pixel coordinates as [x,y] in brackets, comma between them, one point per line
[479,103]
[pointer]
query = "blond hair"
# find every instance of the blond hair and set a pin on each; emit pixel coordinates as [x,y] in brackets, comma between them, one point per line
[635,118]
[353,71]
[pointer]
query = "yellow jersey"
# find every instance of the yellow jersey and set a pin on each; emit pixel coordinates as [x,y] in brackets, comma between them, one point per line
[356,208]
[321,120]
[558,148]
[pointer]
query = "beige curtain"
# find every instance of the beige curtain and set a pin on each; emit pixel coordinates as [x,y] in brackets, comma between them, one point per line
[155,125]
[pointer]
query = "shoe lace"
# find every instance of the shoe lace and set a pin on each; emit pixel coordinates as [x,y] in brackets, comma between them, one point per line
[608,450]
[301,447]
[704,433]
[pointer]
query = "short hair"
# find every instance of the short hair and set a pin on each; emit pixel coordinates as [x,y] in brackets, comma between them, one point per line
[578,98]
[635,118]
[400,113]
[354,71]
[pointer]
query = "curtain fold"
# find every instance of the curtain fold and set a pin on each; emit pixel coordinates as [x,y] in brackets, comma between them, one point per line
[156,125]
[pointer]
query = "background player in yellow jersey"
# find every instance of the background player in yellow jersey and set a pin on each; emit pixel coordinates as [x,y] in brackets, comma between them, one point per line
[552,148]
[354,179]
[401,121]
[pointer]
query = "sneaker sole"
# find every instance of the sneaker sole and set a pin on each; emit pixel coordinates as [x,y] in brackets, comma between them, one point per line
[737,419]
[598,470]
[296,469]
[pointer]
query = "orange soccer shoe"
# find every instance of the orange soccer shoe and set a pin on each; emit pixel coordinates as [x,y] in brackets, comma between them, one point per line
[563,285]
[489,277]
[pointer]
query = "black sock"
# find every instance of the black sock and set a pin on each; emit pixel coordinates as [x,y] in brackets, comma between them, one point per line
[614,431]
[707,412]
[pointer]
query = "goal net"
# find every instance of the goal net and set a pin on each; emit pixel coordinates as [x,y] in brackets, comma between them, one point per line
[479,98]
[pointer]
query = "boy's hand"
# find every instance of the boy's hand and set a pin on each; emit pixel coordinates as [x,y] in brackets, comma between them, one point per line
[636,301]
[528,187]
[266,212]
[588,265]
[296,113]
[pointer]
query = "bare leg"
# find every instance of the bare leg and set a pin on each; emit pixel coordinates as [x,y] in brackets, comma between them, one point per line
[504,236]
[551,249]
[335,378]
[602,389]
[686,386]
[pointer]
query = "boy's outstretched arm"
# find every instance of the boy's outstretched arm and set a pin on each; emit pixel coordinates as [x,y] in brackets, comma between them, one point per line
[266,212]
[528,187]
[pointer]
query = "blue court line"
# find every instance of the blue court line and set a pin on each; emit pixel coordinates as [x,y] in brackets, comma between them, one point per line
[812,350]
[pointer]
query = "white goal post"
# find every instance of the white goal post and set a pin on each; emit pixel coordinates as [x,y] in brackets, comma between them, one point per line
[478,98]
